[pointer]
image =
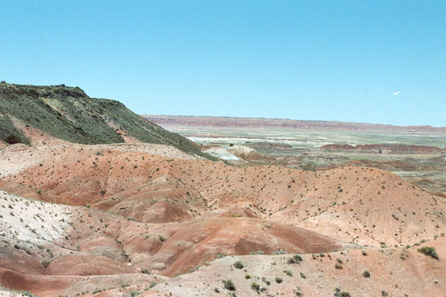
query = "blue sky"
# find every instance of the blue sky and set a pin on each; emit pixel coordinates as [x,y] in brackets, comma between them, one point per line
[311,60]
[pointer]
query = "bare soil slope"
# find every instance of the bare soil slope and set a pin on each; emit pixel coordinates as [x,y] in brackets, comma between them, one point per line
[110,219]
[391,272]
[360,205]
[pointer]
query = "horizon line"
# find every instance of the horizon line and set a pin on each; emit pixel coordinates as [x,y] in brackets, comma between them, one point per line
[298,120]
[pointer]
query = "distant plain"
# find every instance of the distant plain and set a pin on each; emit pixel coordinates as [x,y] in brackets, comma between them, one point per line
[301,148]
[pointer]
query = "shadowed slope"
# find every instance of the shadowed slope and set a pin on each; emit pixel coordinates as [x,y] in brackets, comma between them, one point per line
[67,113]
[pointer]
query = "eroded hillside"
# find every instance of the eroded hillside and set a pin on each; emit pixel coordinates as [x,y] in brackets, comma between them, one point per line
[111,219]
[355,204]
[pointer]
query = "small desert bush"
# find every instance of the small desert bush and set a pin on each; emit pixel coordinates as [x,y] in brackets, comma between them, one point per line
[338,293]
[366,273]
[429,251]
[279,252]
[295,259]
[45,263]
[288,272]
[255,287]
[229,285]
[238,265]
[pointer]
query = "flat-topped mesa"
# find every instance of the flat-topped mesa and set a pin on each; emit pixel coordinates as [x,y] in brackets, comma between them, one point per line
[15,91]
[68,114]
[384,148]
[210,121]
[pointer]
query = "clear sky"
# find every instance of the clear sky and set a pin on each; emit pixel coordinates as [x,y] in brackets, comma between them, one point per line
[377,61]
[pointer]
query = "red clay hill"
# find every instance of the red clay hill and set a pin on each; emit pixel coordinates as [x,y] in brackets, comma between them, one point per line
[118,219]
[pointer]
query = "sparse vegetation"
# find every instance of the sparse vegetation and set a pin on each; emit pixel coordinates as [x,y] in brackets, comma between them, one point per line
[238,265]
[152,284]
[229,285]
[279,252]
[295,259]
[255,287]
[366,274]
[339,293]
[288,272]
[266,281]
[429,251]
[45,263]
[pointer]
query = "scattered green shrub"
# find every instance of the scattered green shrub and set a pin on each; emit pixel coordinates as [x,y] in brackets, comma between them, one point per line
[429,251]
[45,263]
[266,281]
[238,265]
[366,273]
[279,252]
[152,284]
[288,272]
[295,259]
[338,293]
[229,285]
[255,287]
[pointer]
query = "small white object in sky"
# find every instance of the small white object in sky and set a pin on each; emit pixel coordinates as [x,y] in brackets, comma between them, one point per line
[396,93]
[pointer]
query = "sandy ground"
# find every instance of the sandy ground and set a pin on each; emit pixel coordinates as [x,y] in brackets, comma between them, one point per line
[152,149]
[8,293]
[18,157]
[30,221]
[398,272]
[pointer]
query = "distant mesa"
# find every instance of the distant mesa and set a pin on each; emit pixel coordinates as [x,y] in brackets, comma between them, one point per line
[169,120]
[384,148]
